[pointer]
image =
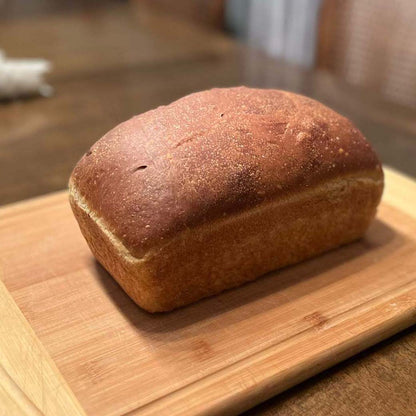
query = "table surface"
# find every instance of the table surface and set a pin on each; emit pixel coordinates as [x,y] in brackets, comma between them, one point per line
[112,63]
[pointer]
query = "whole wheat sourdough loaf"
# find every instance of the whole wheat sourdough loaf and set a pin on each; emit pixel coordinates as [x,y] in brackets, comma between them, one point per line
[220,187]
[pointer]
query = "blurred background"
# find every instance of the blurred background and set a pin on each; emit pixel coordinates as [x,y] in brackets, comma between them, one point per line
[104,61]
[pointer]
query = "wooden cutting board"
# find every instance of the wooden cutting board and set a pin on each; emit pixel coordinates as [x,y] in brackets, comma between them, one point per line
[223,354]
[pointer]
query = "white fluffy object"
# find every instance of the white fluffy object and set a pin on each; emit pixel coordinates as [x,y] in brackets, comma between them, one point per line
[23,77]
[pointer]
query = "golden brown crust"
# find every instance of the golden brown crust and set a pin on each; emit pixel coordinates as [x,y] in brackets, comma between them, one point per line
[225,253]
[212,155]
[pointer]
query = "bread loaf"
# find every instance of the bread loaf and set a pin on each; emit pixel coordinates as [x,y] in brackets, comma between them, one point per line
[220,187]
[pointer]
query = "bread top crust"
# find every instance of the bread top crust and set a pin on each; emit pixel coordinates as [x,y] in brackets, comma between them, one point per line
[212,154]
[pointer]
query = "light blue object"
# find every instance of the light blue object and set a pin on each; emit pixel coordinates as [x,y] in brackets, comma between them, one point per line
[284,29]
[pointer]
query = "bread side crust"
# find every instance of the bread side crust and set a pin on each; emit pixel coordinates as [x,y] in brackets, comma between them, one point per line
[218,255]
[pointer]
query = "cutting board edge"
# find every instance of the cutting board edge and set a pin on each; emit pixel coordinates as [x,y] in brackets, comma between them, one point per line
[262,384]
[29,379]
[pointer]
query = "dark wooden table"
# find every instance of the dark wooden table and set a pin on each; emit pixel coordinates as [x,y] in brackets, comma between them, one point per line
[112,63]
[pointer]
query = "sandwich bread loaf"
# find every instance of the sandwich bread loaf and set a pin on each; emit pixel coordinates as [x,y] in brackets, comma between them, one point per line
[220,187]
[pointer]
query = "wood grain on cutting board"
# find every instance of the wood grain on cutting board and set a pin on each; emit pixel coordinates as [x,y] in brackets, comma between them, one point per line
[225,353]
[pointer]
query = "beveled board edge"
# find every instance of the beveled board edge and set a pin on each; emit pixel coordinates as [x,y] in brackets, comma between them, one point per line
[258,377]
[30,382]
